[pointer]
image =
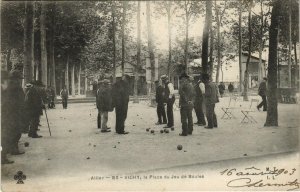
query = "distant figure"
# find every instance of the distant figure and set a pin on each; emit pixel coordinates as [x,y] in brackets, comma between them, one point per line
[211,98]
[51,97]
[159,97]
[120,95]
[230,88]
[64,96]
[198,104]
[262,91]
[221,89]
[187,94]
[169,99]
[104,104]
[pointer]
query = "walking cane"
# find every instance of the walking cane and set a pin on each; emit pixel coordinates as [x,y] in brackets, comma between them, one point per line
[46,117]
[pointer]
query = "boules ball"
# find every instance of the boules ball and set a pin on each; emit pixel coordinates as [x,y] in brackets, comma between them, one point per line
[179,147]
[152,131]
[147,129]
[161,131]
[167,131]
[26,144]
[172,129]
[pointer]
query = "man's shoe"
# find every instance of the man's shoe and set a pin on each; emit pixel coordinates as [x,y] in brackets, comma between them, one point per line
[190,133]
[37,136]
[215,126]
[257,108]
[181,134]
[208,127]
[6,161]
[164,122]
[200,124]
[17,153]
[158,123]
[105,131]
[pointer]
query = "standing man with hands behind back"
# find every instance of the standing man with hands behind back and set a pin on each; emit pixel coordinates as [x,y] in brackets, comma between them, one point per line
[169,99]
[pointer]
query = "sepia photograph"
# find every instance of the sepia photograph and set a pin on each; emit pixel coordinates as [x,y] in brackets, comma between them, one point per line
[186,95]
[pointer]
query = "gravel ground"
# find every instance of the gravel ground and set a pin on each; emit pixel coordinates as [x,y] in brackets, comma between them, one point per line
[76,151]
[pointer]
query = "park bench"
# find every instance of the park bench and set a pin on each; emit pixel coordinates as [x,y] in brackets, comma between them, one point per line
[247,113]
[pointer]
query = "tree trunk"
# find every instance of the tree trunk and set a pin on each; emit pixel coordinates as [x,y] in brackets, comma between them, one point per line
[170,37]
[295,53]
[205,37]
[136,76]
[73,80]
[85,82]
[218,42]
[290,46]
[114,41]
[272,113]
[123,35]
[211,54]
[67,75]
[28,26]
[240,47]
[51,47]
[43,45]
[186,46]
[79,72]
[150,45]
[8,63]
[246,78]
[261,42]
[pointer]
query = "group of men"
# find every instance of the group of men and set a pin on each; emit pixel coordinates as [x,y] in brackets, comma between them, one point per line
[113,97]
[20,111]
[194,94]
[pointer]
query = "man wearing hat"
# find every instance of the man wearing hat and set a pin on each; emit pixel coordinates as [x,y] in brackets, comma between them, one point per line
[104,104]
[199,88]
[12,107]
[187,94]
[169,99]
[262,91]
[159,97]
[211,98]
[64,96]
[33,105]
[120,95]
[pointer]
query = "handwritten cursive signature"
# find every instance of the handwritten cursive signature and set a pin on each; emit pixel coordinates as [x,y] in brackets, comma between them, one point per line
[247,182]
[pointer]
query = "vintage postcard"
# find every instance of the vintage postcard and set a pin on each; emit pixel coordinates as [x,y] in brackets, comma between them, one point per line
[150,95]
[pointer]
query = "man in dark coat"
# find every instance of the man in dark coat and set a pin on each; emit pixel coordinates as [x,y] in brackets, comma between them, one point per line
[51,97]
[262,91]
[159,97]
[169,99]
[120,92]
[230,88]
[221,88]
[211,98]
[64,96]
[187,94]
[198,104]
[34,108]
[104,104]
[13,120]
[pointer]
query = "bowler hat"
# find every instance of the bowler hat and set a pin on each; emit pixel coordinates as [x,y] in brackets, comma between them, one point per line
[164,77]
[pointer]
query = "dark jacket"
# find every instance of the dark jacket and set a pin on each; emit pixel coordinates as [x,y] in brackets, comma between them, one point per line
[262,89]
[187,94]
[104,99]
[221,88]
[198,93]
[120,93]
[160,94]
[33,102]
[64,94]
[12,110]
[230,87]
[211,93]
